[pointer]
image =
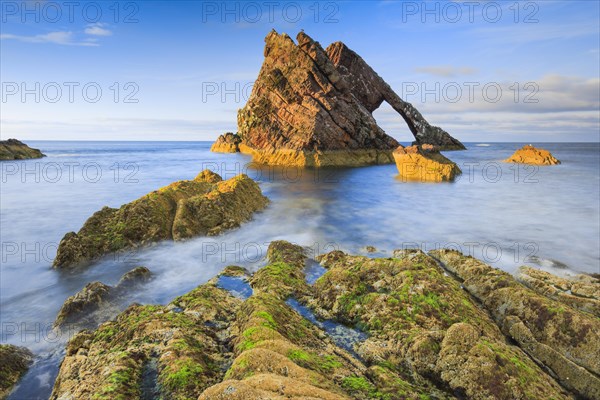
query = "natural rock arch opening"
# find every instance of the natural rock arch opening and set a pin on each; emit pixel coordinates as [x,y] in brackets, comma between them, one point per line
[392,123]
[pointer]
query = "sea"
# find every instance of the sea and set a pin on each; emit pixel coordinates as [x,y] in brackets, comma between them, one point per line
[507,215]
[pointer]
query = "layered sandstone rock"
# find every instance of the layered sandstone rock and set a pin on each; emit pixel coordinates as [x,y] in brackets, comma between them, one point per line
[531,155]
[581,291]
[206,205]
[371,90]
[564,340]
[12,149]
[424,164]
[311,108]
[14,362]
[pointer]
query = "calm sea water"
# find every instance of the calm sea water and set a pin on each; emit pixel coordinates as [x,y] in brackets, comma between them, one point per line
[504,214]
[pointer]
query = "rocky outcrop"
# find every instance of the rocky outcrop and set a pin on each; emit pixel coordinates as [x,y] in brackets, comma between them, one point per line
[581,291]
[209,344]
[423,326]
[371,90]
[206,205]
[564,340]
[227,143]
[12,149]
[173,351]
[80,309]
[533,156]
[306,109]
[424,164]
[425,337]
[14,362]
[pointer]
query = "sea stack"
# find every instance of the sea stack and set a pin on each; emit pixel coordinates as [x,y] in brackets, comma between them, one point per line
[533,156]
[12,149]
[424,164]
[311,107]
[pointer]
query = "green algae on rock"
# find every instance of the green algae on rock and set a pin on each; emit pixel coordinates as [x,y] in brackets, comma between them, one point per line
[425,327]
[12,149]
[14,362]
[563,339]
[206,205]
[428,338]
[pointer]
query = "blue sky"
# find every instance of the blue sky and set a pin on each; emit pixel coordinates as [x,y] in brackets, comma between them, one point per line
[190,65]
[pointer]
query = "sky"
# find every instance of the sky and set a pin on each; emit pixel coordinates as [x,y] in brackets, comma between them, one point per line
[485,71]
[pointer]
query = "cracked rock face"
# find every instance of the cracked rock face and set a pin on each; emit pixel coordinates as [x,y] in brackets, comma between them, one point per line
[206,205]
[311,107]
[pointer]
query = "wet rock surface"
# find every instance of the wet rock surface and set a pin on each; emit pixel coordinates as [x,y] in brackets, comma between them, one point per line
[12,149]
[581,291]
[424,164]
[96,302]
[14,362]
[421,333]
[566,341]
[206,205]
[309,107]
[533,156]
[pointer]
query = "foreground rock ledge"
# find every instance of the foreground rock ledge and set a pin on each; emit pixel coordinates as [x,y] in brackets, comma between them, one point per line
[427,337]
[14,362]
[206,205]
[424,164]
[12,149]
[533,156]
[311,107]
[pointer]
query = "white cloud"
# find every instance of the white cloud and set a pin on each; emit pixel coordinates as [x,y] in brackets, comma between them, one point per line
[97,29]
[59,37]
[446,70]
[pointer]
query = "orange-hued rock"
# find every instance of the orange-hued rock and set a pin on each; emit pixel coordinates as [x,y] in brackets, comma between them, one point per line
[534,156]
[424,163]
[226,143]
[313,107]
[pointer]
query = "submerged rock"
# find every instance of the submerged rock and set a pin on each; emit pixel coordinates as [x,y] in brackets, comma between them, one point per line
[81,307]
[564,340]
[12,149]
[531,155]
[227,143]
[134,277]
[310,107]
[424,164]
[14,362]
[206,205]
